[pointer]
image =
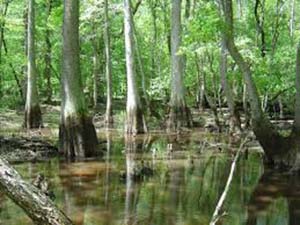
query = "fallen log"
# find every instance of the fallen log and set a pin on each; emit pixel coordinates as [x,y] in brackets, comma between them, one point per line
[32,200]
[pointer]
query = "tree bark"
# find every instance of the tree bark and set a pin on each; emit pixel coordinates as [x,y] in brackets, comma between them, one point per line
[108,69]
[48,55]
[18,82]
[33,115]
[97,48]
[260,19]
[4,7]
[77,134]
[297,102]
[235,122]
[135,121]
[145,99]
[246,108]
[292,19]
[180,115]
[201,100]
[34,202]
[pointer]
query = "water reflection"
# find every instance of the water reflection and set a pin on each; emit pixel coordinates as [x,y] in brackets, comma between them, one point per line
[275,200]
[184,188]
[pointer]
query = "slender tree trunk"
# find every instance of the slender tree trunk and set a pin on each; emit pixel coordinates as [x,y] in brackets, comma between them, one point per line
[154,42]
[33,115]
[273,144]
[34,203]
[201,83]
[235,122]
[297,103]
[180,115]
[108,69]
[142,73]
[212,101]
[4,8]
[135,121]
[292,19]
[96,71]
[259,8]
[25,41]
[77,134]
[48,55]
[281,108]
[240,8]
[245,107]
[18,82]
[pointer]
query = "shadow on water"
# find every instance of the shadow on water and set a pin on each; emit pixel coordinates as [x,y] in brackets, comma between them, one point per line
[272,190]
[163,180]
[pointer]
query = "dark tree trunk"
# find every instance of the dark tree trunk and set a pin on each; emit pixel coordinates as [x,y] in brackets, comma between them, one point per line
[33,201]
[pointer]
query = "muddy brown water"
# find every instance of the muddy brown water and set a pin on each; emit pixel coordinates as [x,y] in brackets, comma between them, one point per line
[190,173]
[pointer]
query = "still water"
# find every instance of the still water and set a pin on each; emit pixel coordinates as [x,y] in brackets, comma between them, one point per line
[189,175]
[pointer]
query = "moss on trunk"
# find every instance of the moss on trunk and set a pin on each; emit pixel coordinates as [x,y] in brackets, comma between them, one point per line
[77,137]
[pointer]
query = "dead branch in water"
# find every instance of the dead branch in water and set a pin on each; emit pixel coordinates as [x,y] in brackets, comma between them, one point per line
[216,216]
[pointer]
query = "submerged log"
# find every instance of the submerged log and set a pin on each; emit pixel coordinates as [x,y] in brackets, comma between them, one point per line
[32,200]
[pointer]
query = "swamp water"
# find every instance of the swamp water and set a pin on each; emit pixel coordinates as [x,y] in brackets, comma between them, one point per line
[189,176]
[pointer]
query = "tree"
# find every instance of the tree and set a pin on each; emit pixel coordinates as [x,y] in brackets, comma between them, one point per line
[33,115]
[135,121]
[77,134]
[32,200]
[279,150]
[179,115]
[235,122]
[48,53]
[108,68]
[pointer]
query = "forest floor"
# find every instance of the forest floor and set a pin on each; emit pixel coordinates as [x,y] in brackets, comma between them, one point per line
[18,144]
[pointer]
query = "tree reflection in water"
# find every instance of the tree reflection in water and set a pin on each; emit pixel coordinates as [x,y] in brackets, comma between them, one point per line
[184,189]
[271,188]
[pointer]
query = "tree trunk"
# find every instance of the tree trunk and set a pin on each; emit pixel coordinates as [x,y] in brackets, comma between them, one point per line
[33,115]
[18,82]
[292,19]
[48,56]
[77,134]
[2,26]
[135,121]
[108,69]
[240,9]
[235,122]
[145,99]
[201,100]
[34,202]
[180,115]
[297,103]
[260,19]
[246,108]
[96,71]
[274,145]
